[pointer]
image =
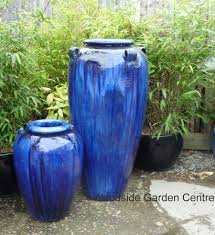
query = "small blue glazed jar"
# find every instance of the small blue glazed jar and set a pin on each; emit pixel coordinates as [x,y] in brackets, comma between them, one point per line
[48,165]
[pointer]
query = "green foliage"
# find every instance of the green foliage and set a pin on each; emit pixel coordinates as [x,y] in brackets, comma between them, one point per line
[58,103]
[4,3]
[72,22]
[177,52]
[34,61]
[20,81]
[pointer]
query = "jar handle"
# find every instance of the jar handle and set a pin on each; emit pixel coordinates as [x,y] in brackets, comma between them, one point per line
[74,52]
[143,50]
[130,55]
[21,130]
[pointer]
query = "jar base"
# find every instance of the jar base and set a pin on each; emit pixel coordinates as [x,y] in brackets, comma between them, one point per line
[48,219]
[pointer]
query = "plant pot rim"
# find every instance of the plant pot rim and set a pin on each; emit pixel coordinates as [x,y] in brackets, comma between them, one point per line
[6,155]
[108,42]
[162,136]
[47,126]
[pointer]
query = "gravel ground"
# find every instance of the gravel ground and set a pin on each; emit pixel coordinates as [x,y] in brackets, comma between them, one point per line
[116,217]
[190,166]
[194,162]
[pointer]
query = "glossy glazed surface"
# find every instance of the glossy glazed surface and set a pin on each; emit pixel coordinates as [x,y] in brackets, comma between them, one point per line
[47,126]
[107,94]
[109,42]
[48,169]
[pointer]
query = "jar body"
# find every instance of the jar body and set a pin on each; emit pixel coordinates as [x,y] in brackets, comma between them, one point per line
[107,95]
[48,168]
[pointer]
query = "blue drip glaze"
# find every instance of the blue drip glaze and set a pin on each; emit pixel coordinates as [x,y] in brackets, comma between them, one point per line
[107,95]
[48,167]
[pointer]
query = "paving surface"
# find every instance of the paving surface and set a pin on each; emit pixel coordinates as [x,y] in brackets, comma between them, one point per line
[194,170]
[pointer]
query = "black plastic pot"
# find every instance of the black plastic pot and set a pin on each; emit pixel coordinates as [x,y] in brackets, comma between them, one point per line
[157,155]
[7,175]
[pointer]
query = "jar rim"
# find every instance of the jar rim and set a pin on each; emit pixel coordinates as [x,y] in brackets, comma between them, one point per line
[109,42]
[48,126]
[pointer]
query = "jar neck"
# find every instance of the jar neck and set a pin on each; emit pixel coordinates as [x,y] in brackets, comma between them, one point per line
[48,127]
[109,43]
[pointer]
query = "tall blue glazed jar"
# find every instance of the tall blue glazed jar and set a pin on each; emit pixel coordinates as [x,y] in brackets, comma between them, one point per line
[108,82]
[48,164]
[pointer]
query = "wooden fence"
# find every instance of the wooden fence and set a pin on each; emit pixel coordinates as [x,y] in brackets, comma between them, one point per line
[201,137]
[11,12]
[143,7]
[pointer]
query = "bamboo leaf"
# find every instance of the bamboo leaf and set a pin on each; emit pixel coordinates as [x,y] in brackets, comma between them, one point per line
[50,98]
